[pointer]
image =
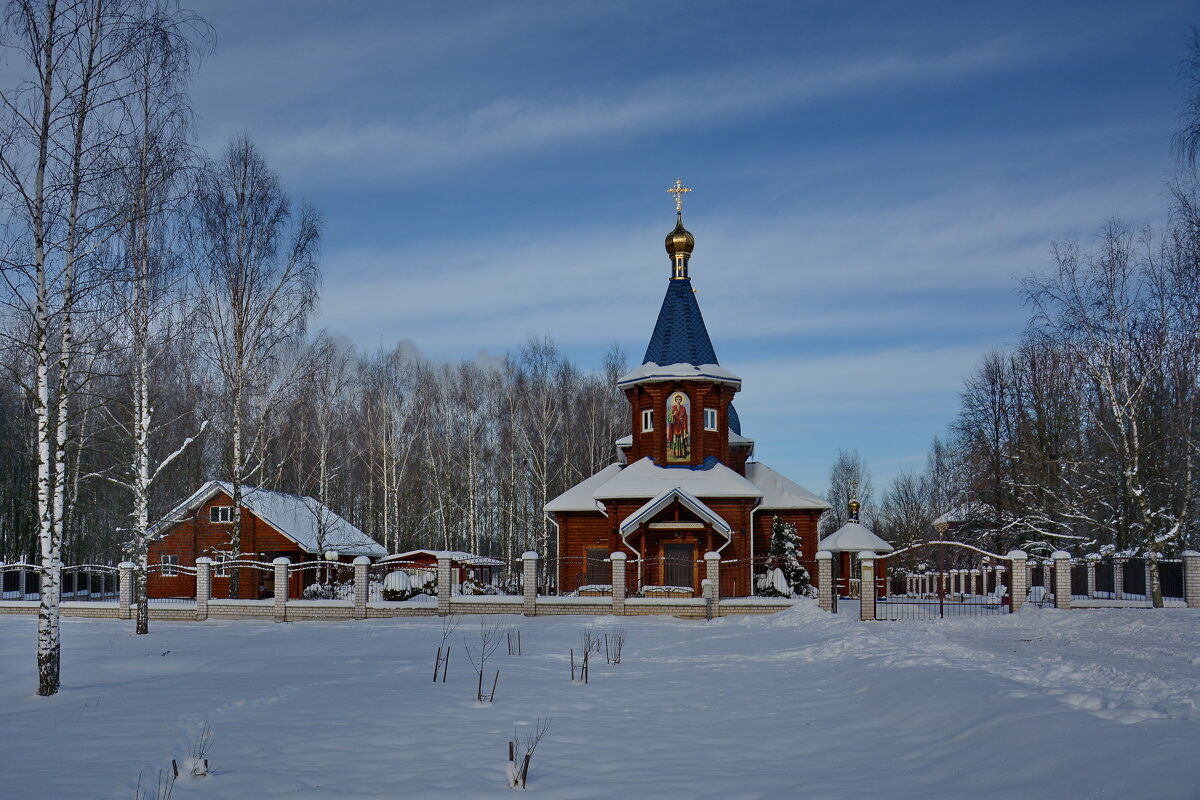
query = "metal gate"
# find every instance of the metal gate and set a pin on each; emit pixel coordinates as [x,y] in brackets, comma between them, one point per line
[940,579]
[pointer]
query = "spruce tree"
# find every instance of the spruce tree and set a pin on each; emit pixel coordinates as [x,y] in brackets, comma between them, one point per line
[784,556]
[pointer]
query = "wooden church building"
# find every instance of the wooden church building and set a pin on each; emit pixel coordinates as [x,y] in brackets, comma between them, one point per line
[684,483]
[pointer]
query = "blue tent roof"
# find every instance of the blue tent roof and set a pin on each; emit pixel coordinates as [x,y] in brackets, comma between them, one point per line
[679,335]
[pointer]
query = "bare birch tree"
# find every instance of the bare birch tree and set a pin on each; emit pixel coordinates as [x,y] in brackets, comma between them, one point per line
[56,152]
[151,161]
[256,269]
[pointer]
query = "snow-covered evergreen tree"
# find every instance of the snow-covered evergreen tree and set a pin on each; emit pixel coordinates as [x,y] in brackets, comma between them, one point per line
[785,577]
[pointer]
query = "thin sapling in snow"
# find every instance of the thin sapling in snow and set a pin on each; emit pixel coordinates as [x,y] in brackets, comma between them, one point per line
[159,790]
[450,624]
[478,652]
[196,764]
[518,766]
[614,642]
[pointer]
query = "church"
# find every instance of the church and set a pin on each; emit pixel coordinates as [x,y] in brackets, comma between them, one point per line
[685,482]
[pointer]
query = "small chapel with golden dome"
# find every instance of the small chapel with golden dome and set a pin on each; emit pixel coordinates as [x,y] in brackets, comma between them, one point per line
[685,482]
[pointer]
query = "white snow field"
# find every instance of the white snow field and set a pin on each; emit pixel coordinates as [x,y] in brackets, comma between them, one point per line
[801,704]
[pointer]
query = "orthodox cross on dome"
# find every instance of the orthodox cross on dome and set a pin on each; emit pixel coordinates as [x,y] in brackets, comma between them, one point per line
[679,190]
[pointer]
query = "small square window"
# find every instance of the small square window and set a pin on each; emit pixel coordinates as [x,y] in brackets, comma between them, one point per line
[647,420]
[710,419]
[169,564]
[221,570]
[220,514]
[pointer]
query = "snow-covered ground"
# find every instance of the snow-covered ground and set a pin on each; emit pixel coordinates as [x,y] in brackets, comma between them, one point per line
[1040,704]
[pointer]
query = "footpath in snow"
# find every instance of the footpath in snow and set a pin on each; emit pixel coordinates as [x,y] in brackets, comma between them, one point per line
[1040,704]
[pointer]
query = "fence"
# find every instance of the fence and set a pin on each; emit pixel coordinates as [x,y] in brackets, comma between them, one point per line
[1126,579]
[79,583]
[1059,581]
[329,589]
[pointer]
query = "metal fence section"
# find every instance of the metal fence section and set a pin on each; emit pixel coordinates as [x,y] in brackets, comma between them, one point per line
[317,580]
[20,582]
[400,581]
[1127,579]
[184,593]
[90,582]
[667,576]
[941,579]
[251,573]
[558,577]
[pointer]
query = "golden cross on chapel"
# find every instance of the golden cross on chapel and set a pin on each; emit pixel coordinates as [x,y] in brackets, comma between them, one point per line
[679,190]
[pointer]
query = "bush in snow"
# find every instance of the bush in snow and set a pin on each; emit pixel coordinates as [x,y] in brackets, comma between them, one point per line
[785,577]
[400,585]
[472,585]
[329,591]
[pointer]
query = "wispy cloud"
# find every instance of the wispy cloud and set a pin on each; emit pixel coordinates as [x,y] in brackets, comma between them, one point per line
[519,123]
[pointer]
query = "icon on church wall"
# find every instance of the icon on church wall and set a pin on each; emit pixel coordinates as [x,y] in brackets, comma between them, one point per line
[679,440]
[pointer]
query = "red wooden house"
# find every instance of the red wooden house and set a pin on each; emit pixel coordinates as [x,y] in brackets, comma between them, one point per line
[273,525]
[684,483]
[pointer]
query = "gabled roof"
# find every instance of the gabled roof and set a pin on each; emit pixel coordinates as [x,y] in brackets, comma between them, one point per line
[645,479]
[780,492]
[580,497]
[663,501]
[298,518]
[679,334]
[853,537]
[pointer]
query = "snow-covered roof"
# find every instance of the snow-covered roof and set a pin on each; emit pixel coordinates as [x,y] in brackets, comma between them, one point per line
[300,519]
[579,497]
[780,492]
[647,512]
[646,479]
[651,371]
[853,537]
[461,556]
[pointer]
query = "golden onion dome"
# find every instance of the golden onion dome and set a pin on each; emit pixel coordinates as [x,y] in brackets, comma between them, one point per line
[680,240]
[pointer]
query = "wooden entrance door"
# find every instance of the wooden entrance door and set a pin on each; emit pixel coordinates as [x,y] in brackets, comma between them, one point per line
[678,566]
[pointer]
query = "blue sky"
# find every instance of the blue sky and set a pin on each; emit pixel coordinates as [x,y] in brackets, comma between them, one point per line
[870,179]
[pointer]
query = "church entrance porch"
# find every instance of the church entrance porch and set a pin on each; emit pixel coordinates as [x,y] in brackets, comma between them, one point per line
[668,567]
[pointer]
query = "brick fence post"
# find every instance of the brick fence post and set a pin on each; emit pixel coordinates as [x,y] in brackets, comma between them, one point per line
[618,582]
[1191,578]
[712,571]
[203,586]
[281,588]
[866,593]
[529,561]
[1062,579]
[1119,578]
[825,579]
[1090,559]
[445,586]
[125,589]
[362,586]
[1020,577]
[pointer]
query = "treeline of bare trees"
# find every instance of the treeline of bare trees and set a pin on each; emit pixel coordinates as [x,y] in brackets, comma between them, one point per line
[417,453]
[153,334]
[1086,433]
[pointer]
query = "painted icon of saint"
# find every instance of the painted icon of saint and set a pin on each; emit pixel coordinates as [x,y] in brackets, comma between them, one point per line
[679,444]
